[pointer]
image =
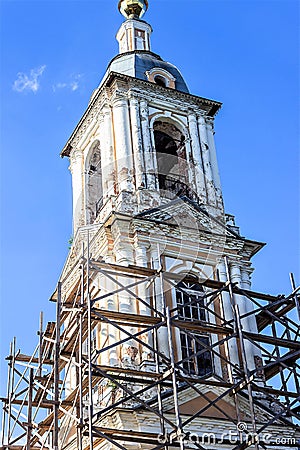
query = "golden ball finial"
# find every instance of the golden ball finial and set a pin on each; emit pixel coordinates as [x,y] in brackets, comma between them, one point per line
[133,9]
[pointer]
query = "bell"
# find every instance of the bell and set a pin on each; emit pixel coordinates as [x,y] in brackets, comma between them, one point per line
[133,9]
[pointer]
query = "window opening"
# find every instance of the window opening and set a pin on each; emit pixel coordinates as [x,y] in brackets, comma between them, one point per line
[139,39]
[171,161]
[190,305]
[94,196]
[161,81]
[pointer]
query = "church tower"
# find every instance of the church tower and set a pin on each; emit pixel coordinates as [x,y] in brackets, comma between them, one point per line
[147,193]
[145,175]
[144,139]
[159,342]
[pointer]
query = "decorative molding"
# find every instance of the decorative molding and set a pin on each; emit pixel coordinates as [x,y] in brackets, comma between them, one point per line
[142,89]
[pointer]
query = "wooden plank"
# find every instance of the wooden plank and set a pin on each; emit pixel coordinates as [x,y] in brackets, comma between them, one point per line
[18,447]
[263,319]
[28,359]
[277,341]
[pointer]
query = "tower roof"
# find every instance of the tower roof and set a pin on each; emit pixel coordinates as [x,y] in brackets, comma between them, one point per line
[139,63]
[135,56]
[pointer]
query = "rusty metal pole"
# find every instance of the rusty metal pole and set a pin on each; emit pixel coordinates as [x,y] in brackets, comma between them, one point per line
[174,379]
[156,347]
[297,300]
[81,312]
[40,333]
[8,389]
[90,378]
[29,410]
[11,385]
[56,369]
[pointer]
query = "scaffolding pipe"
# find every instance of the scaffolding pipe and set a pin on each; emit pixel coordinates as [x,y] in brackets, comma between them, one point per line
[80,362]
[56,370]
[40,334]
[29,408]
[11,387]
[90,377]
[5,412]
[297,300]
[174,379]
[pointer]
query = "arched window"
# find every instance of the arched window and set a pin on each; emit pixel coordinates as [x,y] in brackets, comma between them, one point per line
[196,357]
[161,77]
[171,159]
[94,193]
[161,81]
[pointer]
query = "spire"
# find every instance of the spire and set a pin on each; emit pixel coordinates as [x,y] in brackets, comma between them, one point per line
[134,33]
[133,9]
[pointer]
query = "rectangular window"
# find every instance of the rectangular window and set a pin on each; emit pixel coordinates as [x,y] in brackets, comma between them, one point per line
[139,36]
[190,304]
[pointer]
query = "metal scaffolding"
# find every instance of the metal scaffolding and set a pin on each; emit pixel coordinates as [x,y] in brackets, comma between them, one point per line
[65,395]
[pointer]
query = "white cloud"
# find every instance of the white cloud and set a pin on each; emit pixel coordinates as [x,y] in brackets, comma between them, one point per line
[73,85]
[29,82]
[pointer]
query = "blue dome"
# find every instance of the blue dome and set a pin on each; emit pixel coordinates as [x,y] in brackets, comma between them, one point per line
[137,63]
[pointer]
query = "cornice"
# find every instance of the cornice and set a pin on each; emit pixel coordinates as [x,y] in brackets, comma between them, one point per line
[147,89]
[213,105]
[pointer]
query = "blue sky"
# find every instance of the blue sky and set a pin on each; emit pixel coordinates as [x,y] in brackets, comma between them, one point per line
[54,53]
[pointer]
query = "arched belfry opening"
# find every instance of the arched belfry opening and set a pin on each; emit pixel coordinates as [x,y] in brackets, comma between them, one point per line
[94,190]
[171,158]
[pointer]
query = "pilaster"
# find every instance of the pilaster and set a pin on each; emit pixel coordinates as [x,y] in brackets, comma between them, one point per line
[137,143]
[214,161]
[122,140]
[196,149]
[243,307]
[211,193]
[147,145]
[107,156]
[76,169]
[227,307]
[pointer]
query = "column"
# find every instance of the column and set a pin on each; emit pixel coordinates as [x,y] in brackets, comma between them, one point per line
[236,277]
[228,315]
[252,324]
[141,259]
[198,167]
[214,161]
[76,168]
[137,143]
[123,143]
[107,156]
[211,193]
[149,154]
[246,284]
[162,333]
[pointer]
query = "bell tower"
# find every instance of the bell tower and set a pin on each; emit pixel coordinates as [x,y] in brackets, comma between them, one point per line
[148,140]
[159,342]
[145,176]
